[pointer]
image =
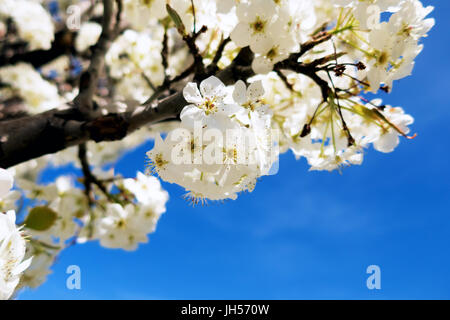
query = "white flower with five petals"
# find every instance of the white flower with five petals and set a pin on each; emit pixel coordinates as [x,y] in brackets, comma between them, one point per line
[208,108]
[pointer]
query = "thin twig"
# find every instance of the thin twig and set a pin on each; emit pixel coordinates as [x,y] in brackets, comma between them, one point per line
[165,55]
[285,80]
[118,18]
[212,68]
[89,78]
[89,178]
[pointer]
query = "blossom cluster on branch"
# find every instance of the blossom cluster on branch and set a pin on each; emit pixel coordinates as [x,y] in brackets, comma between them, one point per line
[12,244]
[222,87]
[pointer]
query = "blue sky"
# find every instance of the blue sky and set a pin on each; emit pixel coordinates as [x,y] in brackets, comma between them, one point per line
[300,234]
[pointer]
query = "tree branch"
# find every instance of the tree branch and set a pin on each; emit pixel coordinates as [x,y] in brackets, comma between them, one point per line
[52,131]
[55,130]
[63,44]
[89,78]
[89,178]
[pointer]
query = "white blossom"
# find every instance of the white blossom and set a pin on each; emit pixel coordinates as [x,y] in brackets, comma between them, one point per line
[393,57]
[126,226]
[147,191]
[33,22]
[38,94]
[208,107]
[87,36]
[410,20]
[12,252]
[217,167]
[39,269]
[141,12]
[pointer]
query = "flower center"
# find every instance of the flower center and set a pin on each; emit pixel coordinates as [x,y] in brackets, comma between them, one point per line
[148,3]
[258,25]
[159,161]
[231,155]
[209,106]
[273,52]
[120,223]
[383,58]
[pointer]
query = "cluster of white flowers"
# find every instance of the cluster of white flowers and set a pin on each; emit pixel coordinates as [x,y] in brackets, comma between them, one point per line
[133,58]
[139,50]
[272,29]
[388,48]
[36,274]
[12,245]
[125,225]
[142,13]
[65,217]
[33,22]
[326,147]
[224,144]
[64,200]
[139,202]
[62,203]
[38,94]
[364,10]
[142,204]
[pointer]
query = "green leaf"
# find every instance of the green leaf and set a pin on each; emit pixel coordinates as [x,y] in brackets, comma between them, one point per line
[41,218]
[176,19]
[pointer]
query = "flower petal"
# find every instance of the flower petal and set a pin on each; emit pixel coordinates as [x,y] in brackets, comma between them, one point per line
[191,93]
[6,182]
[255,90]
[240,92]
[212,87]
[190,114]
[262,65]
